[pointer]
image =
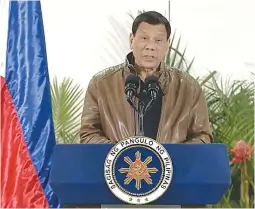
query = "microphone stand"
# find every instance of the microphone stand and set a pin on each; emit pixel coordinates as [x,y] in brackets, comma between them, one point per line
[142,110]
[141,114]
[149,105]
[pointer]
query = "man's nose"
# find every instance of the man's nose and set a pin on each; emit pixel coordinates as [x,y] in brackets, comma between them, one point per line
[150,45]
[150,48]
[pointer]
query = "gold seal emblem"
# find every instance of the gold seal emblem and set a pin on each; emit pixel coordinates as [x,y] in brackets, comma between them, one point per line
[138,170]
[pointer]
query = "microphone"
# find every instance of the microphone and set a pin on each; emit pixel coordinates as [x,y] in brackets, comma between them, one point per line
[152,89]
[131,87]
[152,86]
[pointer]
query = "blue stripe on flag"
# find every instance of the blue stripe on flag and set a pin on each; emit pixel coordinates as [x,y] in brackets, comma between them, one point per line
[28,81]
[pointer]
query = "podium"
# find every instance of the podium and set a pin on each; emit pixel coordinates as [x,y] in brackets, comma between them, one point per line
[201,174]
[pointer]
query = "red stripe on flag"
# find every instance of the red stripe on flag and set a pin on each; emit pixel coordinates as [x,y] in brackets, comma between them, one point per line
[20,186]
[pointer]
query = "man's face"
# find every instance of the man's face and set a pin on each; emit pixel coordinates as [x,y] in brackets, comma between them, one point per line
[149,45]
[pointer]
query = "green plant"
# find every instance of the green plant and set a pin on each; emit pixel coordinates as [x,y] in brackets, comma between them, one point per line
[242,153]
[231,110]
[243,157]
[67,102]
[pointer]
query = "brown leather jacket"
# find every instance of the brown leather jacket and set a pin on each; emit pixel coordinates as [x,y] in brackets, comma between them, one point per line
[108,118]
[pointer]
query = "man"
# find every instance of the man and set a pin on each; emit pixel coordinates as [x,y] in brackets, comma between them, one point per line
[179,114]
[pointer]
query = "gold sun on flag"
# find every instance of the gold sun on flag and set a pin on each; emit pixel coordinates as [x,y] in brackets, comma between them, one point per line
[138,170]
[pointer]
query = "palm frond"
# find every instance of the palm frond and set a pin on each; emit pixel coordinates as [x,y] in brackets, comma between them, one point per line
[67,102]
[231,107]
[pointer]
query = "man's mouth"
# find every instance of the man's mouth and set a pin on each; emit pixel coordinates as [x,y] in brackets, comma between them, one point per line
[149,57]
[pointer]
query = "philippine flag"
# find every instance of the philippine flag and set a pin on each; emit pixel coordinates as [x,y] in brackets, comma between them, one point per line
[27,132]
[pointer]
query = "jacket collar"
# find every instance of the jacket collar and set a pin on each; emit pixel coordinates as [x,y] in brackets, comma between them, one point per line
[129,67]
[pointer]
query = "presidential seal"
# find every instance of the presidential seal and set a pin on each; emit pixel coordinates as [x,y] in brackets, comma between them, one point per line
[138,170]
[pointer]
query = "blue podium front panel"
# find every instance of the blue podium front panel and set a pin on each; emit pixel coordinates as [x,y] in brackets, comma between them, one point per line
[201,174]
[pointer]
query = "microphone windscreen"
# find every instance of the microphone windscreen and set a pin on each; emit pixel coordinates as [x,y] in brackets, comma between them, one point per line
[133,79]
[151,79]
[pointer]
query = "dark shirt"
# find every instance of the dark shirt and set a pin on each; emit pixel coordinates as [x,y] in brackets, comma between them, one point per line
[152,117]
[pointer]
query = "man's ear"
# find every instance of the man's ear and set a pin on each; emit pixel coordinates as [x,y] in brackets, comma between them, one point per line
[131,38]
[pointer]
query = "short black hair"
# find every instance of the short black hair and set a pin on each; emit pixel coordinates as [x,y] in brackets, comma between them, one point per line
[153,18]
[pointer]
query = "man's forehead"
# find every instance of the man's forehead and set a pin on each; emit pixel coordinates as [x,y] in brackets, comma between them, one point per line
[147,28]
[158,32]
